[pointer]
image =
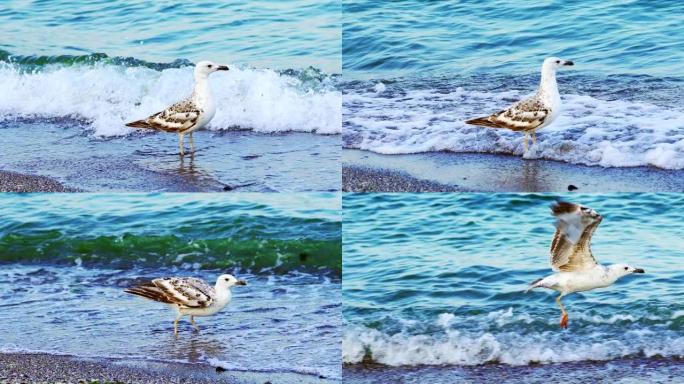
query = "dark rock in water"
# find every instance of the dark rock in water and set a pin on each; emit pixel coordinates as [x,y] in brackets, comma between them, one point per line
[572,188]
[220,369]
[228,188]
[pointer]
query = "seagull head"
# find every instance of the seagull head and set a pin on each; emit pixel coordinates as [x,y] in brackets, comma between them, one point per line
[556,62]
[620,270]
[204,68]
[589,215]
[226,281]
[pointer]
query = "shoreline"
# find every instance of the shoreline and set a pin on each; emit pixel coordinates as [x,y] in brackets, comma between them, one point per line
[20,182]
[628,370]
[369,179]
[239,161]
[17,367]
[479,172]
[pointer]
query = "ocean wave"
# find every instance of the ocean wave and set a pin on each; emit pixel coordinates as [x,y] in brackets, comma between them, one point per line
[590,131]
[128,251]
[511,338]
[303,370]
[105,93]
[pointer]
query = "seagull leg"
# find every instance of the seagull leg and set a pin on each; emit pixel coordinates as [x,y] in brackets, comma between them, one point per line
[564,315]
[525,143]
[192,144]
[192,320]
[175,324]
[180,144]
[534,137]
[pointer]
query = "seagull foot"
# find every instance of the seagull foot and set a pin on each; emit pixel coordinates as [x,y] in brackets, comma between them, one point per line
[564,321]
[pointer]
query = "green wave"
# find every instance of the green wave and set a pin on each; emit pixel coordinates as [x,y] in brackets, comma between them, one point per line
[36,61]
[128,251]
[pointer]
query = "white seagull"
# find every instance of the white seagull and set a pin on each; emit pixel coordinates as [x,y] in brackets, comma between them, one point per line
[189,295]
[190,114]
[533,113]
[571,258]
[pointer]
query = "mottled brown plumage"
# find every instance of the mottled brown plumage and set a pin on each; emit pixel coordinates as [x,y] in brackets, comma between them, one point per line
[571,244]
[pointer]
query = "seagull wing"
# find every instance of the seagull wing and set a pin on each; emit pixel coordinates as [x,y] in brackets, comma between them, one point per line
[522,116]
[186,292]
[178,117]
[571,245]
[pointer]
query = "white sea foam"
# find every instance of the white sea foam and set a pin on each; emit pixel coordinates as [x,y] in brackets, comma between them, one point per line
[108,96]
[454,347]
[589,131]
[511,337]
[313,371]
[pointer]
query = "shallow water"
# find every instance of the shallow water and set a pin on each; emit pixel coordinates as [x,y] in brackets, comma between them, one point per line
[84,312]
[423,69]
[67,258]
[439,279]
[224,161]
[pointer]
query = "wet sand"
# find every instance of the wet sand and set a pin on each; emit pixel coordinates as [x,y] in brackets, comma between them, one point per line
[241,161]
[17,182]
[366,179]
[626,371]
[500,173]
[46,368]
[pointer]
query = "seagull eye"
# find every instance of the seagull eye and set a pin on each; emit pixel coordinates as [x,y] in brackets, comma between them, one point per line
[209,65]
[557,61]
[626,268]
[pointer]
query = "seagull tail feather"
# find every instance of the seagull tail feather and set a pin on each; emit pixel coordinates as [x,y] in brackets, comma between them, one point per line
[148,292]
[140,124]
[534,284]
[483,122]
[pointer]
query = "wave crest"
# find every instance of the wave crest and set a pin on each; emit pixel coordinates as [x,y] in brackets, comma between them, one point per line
[589,131]
[106,93]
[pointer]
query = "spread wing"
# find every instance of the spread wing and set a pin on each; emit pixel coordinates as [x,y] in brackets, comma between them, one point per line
[571,245]
[185,292]
[522,116]
[179,117]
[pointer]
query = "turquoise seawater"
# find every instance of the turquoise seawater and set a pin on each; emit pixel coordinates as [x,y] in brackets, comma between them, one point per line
[440,280]
[273,34]
[416,71]
[249,232]
[66,260]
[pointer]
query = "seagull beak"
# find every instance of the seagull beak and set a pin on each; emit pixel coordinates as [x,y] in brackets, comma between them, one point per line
[638,270]
[241,282]
[568,63]
[222,68]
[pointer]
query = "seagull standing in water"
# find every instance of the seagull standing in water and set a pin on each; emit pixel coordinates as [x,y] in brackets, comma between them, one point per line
[188,295]
[533,113]
[571,258]
[188,115]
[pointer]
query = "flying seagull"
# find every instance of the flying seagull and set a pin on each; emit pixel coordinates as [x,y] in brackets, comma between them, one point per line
[571,258]
[189,295]
[533,113]
[190,114]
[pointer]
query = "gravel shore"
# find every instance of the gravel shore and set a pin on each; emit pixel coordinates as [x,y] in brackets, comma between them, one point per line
[632,371]
[366,179]
[17,182]
[46,368]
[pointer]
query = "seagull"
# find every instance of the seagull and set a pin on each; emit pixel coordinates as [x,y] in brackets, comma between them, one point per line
[576,268]
[190,114]
[189,295]
[535,112]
